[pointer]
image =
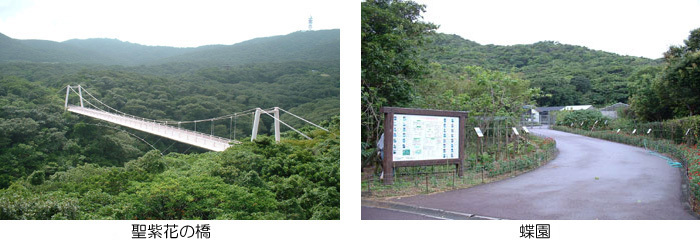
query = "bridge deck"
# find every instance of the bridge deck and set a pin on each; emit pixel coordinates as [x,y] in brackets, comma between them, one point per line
[198,139]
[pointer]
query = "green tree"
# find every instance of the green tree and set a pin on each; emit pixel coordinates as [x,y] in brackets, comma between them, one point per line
[484,93]
[391,33]
[681,78]
[586,117]
[582,83]
[645,95]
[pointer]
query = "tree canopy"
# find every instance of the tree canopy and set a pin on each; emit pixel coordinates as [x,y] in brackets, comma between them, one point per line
[566,74]
[391,33]
[673,90]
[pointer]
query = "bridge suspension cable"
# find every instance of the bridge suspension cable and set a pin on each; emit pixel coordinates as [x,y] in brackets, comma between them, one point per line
[246,112]
[134,135]
[235,115]
[303,119]
[169,123]
[273,117]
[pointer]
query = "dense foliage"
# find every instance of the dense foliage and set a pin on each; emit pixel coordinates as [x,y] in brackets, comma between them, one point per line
[585,119]
[484,93]
[35,135]
[673,90]
[256,180]
[391,33]
[566,74]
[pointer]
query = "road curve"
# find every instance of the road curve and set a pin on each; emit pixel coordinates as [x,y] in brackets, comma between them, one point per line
[589,179]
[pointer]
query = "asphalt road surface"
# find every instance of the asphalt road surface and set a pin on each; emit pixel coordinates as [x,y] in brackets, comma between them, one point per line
[630,184]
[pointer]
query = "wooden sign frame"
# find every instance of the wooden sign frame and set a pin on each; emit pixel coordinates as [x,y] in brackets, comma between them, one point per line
[388,163]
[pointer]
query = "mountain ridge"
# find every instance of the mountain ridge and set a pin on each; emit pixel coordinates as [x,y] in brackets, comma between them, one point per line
[295,46]
[567,74]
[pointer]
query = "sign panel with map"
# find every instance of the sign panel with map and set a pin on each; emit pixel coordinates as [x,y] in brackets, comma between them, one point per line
[418,137]
[425,137]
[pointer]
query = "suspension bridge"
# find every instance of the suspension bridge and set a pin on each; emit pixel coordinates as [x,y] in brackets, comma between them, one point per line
[173,129]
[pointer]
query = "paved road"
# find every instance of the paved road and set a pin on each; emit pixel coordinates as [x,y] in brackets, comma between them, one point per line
[631,184]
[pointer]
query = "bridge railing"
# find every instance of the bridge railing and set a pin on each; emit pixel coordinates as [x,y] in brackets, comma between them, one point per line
[152,123]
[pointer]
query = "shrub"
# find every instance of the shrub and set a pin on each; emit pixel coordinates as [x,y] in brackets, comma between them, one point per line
[17,202]
[151,162]
[37,177]
[588,117]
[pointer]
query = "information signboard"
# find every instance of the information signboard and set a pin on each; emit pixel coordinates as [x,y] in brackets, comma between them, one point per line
[525,129]
[478,132]
[419,137]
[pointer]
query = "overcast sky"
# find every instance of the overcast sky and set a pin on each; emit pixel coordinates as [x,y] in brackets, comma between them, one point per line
[636,28]
[161,22]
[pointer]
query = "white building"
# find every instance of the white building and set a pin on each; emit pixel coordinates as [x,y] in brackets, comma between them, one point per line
[545,116]
[577,107]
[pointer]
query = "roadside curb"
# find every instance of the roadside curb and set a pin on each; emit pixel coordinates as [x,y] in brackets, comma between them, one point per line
[430,212]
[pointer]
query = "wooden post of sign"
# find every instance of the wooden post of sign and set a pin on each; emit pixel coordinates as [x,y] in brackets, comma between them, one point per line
[525,132]
[388,148]
[507,142]
[481,151]
[496,140]
[593,127]
[517,143]
[462,144]
[673,132]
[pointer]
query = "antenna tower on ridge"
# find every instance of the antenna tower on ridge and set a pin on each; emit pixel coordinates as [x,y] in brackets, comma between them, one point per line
[311,20]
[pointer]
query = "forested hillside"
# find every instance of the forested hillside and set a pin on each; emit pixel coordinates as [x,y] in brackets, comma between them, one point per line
[566,74]
[12,50]
[321,45]
[58,165]
[125,53]
[318,45]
